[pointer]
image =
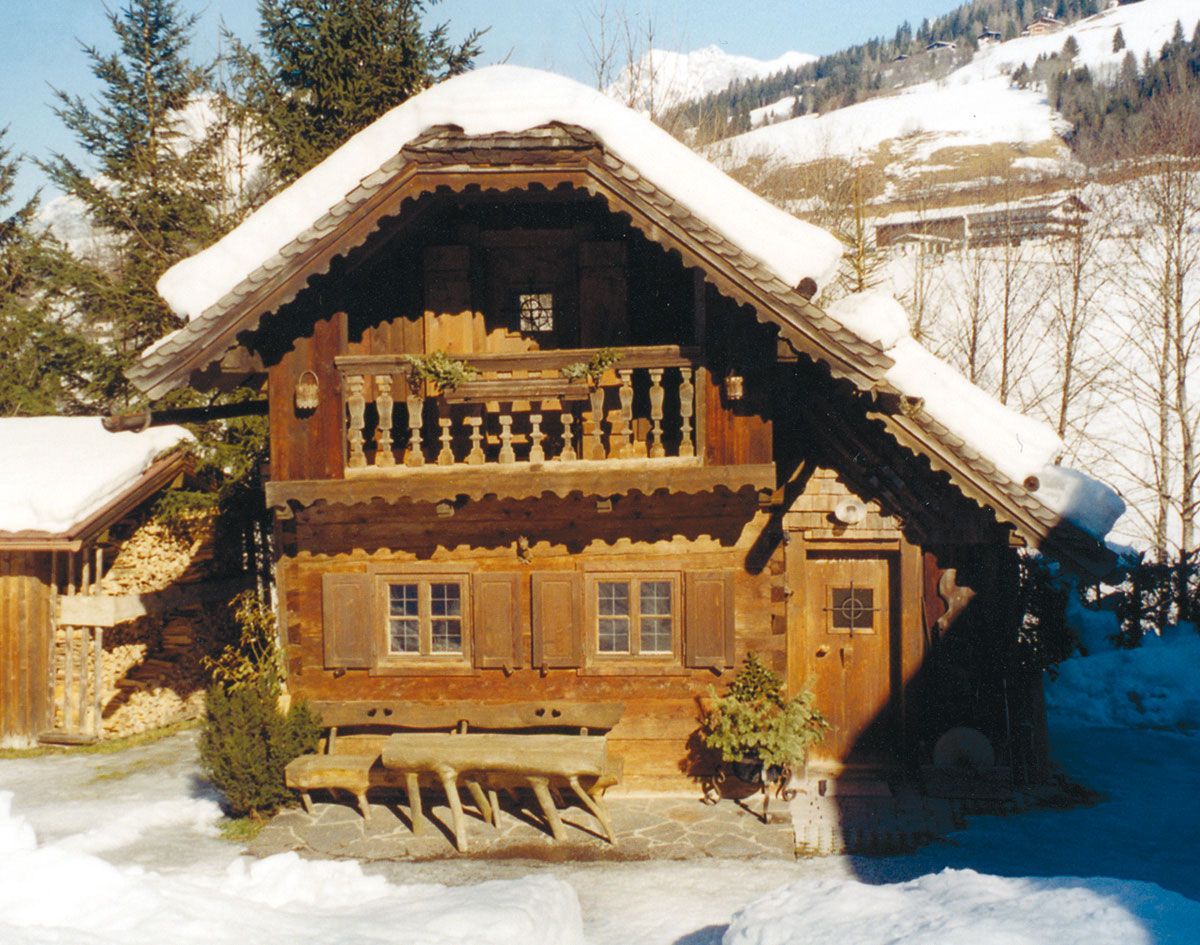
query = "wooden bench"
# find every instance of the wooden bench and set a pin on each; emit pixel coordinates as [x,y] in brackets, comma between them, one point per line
[352,757]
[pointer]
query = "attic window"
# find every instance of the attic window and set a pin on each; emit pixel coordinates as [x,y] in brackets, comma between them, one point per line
[536,310]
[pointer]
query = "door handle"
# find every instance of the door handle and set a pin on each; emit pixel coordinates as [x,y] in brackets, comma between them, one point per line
[822,651]
[847,655]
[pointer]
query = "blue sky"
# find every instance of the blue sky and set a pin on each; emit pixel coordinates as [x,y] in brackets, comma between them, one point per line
[39,41]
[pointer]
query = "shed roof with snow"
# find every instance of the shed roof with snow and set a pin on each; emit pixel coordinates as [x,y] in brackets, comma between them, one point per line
[64,479]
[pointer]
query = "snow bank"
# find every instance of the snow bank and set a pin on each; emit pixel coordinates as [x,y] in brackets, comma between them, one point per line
[1153,686]
[1019,446]
[56,471]
[929,116]
[496,99]
[53,895]
[962,906]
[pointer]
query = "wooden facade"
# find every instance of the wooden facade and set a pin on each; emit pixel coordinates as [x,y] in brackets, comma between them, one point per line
[739,480]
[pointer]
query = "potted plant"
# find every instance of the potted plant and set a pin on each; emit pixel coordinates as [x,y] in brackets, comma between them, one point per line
[759,732]
[440,371]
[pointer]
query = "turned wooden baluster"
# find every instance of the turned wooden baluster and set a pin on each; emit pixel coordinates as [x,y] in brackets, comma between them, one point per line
[624,445]
[384,402]
[357,405]
[475,457]
[506,451]
[596,396]
[568,448]
[656,413]
[446,455]
[536,453]
[687,395]
[416,407]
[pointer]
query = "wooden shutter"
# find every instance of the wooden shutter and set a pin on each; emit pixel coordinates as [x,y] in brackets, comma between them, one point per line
[709,619]
[603,294]
[497,627]
[347,606]
[557,619]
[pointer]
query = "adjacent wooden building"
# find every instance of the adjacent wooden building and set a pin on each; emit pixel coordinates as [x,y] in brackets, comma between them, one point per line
[741,478]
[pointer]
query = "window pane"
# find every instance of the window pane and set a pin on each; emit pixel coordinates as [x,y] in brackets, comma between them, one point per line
[445,600]
[537,311]
[447,635]
[853,608]
[403,600]
[614,634]
[405,636]
[656,598]
[613,598]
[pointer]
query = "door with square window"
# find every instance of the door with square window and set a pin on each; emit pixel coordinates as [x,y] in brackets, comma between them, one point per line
[849,633]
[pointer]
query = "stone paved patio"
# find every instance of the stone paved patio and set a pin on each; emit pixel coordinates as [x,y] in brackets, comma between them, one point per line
[647,828]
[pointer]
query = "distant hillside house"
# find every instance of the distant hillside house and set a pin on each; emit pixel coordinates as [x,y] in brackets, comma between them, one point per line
[989,37]
[1036,219]
[1042,24]
[70,493]
[940,44]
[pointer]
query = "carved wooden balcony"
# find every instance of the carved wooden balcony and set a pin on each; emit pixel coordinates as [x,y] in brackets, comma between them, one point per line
[520,428]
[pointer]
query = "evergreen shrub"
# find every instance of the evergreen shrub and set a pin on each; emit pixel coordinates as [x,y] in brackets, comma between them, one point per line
[755,720]
[247,741]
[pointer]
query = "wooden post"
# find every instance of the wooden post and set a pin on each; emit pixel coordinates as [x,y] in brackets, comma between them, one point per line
[356,404]
[536,453]
[475,457]
[84,663]
[68,671]
[98,680]
[415,404]
[384,404]
[99,576]
[625,440]
[568,449]
[597,401]
[446,456]
[687,395]
[506,450]
[656,413]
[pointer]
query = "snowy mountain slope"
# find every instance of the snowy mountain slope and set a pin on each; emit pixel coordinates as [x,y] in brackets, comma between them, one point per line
[662,79]
[1146,26]
[921,120]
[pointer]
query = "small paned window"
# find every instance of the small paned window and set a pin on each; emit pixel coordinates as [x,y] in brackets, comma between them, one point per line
[425,617]
[635,616]
[536,311]
[852,608]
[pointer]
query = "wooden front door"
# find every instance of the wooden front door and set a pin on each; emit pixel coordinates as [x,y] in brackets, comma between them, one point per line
[849,628]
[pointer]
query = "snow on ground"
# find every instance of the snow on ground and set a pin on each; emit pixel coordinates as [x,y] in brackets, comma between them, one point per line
[1146,26]
[495,99]
[662,78]
[87,465]
[921,120]
[175,882]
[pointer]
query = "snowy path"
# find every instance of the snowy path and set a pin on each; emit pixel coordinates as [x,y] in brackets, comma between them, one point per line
[147,812]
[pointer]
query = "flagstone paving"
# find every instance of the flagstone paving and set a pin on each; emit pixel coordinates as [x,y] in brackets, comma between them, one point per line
[647,828]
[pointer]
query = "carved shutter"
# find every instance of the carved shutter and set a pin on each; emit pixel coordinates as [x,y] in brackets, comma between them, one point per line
[347,609]
[497,613]
[557,619]
[709,619]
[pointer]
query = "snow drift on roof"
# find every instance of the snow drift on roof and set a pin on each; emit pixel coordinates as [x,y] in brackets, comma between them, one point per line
[57,471]
[1017,445]
[507,99]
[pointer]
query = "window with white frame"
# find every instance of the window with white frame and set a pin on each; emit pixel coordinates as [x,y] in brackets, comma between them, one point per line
[635,615]
[425,617]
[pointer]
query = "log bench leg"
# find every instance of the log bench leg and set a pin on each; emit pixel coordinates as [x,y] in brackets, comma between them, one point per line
[306,800]
[541,790]
[449,781]
[364,807]
[412,785]
[481,801]
[596,805]
[494,800]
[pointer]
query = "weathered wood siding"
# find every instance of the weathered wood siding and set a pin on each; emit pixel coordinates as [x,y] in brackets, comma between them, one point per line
[677,534]
[26,636]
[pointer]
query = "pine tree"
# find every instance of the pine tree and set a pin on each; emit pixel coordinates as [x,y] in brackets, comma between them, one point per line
[152,185]
[327,70]
[45,366]
[1070,48]
[1118,42]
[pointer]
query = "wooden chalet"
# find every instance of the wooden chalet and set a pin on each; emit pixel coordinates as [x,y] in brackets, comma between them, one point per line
[742,478]
[1036,218]
[50,661]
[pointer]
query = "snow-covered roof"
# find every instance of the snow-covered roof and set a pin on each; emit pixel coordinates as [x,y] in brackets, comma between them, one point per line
[505,99]
[1024,450]
[56,472]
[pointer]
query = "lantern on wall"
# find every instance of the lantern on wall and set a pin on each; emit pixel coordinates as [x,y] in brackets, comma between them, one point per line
[306,392]
[735,386]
